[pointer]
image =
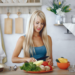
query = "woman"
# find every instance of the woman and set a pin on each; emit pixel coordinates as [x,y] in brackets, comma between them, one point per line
[36,43]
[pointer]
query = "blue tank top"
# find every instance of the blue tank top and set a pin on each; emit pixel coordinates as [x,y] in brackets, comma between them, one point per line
[39,52]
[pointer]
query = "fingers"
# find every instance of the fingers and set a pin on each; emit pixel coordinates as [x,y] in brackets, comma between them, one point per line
[33,59]
[50,61]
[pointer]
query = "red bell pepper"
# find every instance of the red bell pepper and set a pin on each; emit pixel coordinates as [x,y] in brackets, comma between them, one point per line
[45,63]
[50,67]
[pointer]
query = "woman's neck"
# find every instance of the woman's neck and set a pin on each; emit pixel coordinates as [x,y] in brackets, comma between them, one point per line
[35,34]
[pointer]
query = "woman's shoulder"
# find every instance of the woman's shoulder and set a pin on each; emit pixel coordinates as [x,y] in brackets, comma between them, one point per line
[21,38]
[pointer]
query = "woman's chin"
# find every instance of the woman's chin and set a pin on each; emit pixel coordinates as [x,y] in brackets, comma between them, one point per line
[37,31]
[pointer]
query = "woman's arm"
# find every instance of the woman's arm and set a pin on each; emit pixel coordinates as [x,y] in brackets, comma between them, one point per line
[50,43]
[18,48]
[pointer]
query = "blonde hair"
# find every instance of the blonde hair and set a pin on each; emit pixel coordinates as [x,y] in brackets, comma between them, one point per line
[28,42]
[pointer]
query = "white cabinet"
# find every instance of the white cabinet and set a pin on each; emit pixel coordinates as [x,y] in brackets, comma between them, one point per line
[15,5]
[24,3]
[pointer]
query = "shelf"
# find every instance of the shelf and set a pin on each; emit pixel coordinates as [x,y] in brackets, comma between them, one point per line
[58,24]
[21,4]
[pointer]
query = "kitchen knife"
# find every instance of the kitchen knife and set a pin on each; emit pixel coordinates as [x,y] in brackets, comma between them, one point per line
[42,58]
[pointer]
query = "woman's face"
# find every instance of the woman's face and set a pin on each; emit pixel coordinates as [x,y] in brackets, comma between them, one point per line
[38,24]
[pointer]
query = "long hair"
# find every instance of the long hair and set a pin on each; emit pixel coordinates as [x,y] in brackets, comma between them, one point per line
[28,42]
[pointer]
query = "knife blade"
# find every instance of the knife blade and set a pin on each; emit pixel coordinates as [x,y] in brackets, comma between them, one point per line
[42,58]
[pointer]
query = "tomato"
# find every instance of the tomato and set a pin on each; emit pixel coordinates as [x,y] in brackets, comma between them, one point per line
[50,67]
[45,63]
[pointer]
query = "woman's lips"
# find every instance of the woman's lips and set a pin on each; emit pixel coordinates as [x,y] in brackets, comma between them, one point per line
[39,29]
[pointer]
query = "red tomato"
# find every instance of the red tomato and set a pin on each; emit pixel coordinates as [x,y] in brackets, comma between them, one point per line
[45,63]
[50,67]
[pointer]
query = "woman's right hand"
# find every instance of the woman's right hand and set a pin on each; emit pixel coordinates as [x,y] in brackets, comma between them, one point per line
[31,59]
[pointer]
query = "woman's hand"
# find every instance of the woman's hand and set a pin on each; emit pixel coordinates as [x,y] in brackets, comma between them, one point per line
[51,62]
[31,59]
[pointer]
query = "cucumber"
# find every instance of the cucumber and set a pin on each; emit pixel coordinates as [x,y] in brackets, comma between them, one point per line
[62,57]
[57,60]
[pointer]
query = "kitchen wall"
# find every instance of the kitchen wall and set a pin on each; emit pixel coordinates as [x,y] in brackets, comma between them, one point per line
[63,44]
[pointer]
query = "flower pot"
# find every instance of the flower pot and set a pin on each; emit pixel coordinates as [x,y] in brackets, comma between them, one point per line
[58,20]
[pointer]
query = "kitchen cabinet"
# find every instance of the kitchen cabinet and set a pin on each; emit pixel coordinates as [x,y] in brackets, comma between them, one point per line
[28,3]
[23,6]
[56,71]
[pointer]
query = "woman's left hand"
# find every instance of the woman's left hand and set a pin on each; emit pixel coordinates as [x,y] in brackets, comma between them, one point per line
[51,62]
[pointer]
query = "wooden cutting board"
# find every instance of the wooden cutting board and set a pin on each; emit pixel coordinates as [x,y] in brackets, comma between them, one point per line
[8,25]
[18,25]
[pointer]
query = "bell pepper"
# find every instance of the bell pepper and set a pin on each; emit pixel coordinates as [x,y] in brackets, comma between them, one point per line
[62,60]
[50,67]
[45,63]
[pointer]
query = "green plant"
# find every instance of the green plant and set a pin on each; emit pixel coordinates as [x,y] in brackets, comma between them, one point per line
[59,7]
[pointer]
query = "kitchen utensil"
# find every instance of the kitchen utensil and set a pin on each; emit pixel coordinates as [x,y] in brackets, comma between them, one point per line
[43,58]
[9,68]
[1,67]
[63,65]
[18,24]
[15,67]
[71,68]
[8,25]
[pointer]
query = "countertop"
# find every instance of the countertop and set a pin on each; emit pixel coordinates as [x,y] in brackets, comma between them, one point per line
[56,71]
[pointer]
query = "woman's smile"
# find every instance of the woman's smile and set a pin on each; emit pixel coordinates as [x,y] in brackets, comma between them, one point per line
[38,28]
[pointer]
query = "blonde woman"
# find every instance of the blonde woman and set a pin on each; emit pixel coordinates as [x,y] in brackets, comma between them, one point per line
[36,43]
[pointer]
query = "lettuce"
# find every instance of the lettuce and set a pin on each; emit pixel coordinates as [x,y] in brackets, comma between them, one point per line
[30,67]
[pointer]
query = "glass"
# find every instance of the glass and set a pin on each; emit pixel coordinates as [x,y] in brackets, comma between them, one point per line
[73,19]
[63,19]
[71,68]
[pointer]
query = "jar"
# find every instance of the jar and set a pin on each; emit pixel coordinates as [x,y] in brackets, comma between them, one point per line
[73,19]
[63,19]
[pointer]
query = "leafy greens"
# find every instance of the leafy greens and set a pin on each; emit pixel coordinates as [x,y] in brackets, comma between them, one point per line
[30,67]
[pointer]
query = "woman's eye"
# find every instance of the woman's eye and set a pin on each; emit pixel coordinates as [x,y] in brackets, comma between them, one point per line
[37,23]
[42,23]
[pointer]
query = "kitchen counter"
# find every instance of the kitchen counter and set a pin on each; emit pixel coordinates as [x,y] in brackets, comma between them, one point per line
[56,71]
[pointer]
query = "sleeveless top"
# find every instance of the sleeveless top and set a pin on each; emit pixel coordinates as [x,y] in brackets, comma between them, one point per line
[39,52]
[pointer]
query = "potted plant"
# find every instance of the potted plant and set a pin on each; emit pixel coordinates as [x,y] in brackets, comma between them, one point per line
[59,8]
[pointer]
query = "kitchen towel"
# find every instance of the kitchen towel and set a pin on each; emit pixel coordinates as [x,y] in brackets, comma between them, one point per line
[2,48]
[70,27]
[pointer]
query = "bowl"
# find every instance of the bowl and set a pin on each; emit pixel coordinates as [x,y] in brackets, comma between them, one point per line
[1,67]
[63,65]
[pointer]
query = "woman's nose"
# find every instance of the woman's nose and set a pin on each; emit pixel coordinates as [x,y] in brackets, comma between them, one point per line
[39,25]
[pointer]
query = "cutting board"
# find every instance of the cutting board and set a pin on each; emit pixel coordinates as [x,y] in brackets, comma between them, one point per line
[19,25]
[8,25]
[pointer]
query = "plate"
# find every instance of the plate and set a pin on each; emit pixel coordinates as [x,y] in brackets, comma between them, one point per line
[39,71]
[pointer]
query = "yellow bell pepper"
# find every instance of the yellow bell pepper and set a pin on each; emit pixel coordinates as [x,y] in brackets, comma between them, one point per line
[62,60]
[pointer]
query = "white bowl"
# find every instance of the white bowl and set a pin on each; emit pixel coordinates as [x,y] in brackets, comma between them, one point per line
[25,1]
[4,1]
[9,1]
[22,1]
[15,1]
